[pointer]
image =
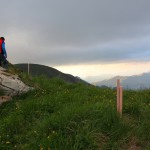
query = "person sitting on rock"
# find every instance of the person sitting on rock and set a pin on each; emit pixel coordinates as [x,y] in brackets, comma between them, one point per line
[3,54]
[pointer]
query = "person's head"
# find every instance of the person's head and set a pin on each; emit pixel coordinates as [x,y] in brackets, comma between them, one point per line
[3,38]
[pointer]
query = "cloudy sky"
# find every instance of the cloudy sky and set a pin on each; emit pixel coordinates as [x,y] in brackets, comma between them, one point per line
[85,38]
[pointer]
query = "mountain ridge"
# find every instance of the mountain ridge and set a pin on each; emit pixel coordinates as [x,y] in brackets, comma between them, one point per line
[134,82]
[37,70]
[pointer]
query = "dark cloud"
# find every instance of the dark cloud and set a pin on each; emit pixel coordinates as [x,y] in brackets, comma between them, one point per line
[61,32]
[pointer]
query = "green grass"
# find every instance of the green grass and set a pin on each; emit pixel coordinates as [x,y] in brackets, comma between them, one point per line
[63,116]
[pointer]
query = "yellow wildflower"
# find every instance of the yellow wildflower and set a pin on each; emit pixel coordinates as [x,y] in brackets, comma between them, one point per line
[7,142]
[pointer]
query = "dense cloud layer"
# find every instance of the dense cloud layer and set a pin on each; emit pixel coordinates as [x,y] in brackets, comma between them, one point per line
[60,32]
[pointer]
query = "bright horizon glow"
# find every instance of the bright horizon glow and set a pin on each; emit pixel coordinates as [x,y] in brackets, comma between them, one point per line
[105,71]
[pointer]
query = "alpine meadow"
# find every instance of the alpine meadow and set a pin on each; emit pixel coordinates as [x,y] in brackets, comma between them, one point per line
[58,115]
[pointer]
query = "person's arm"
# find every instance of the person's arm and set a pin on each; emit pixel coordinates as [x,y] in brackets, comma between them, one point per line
[4,50]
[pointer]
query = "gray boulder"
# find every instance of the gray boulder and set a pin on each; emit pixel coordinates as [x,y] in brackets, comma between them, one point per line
[11,84]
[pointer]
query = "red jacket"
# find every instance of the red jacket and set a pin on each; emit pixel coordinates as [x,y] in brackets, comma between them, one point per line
[1,41]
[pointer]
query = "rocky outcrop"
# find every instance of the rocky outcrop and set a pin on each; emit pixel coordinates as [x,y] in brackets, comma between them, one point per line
[12,84]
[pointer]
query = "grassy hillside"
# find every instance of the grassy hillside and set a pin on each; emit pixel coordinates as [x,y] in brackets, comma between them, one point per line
[63,116]
[38,70]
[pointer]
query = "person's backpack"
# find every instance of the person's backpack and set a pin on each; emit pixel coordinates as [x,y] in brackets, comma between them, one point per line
[1,42]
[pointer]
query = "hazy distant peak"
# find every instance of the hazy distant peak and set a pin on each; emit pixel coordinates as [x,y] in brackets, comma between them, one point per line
[141,81]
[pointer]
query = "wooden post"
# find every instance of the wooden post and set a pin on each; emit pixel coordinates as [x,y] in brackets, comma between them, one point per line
[28,69]
[119,97]
[118,94]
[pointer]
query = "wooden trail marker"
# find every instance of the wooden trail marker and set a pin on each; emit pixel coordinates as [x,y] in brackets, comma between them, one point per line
[119,97]
[28,68]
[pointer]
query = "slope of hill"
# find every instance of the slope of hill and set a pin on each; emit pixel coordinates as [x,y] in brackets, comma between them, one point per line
[141,81]
[37,70]
[62,116]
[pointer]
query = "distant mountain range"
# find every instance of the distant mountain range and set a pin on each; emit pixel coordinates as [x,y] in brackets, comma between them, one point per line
[37,70]
[135,82]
